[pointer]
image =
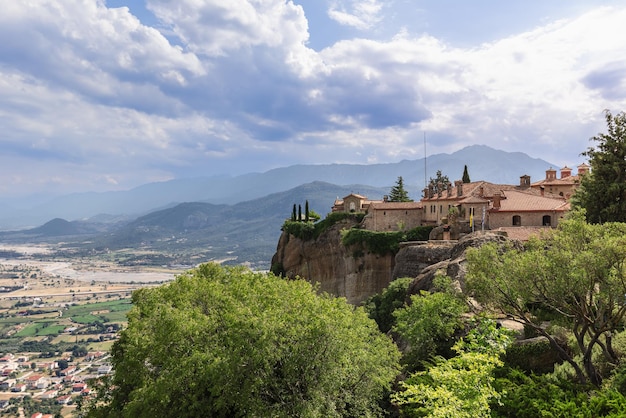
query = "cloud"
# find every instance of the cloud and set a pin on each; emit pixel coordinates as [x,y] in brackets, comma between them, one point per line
[233,87]
[360,14]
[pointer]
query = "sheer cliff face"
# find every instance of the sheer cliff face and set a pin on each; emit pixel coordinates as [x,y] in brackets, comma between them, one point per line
[352,272]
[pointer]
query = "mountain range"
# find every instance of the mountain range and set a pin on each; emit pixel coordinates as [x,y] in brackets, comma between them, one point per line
[240,217]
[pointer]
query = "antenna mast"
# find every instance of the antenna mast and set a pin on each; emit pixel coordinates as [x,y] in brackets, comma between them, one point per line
[425,171]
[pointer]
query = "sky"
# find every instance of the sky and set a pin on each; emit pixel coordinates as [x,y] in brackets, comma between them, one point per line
[102,95]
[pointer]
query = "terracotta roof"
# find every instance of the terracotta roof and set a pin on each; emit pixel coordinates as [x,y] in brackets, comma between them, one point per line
[567,181]
[516,201]
[474,199]
[396,205]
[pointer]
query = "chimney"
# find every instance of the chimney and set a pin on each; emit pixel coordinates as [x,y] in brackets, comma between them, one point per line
[459,188]
[385,198]
[496,200]
[481,190]
[550,174]
[543,190]
[449,189]
[566,172]
[583,169]
[524,181]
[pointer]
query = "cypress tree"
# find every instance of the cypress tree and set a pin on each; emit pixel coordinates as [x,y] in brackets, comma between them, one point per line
[466,177]
[293,213]
[299,213]
[306,211]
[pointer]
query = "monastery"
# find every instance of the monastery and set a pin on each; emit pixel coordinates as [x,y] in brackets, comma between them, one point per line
[517,210]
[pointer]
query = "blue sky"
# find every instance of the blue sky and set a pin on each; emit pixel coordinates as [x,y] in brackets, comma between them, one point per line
[107,95]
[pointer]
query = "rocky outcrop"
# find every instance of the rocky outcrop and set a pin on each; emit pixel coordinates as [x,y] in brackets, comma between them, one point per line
[356,274]
[448,259]
[353,272]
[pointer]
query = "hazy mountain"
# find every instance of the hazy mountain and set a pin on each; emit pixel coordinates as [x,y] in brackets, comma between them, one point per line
[247,231]
[483,163]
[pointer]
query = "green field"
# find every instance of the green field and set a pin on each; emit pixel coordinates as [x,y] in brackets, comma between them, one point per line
[50,324]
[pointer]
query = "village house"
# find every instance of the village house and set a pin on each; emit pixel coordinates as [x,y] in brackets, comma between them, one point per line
[37,382]
[50,394]
[64,399]
[7,384]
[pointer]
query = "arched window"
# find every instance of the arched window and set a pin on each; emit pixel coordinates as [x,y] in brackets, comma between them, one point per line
[352,207]
[517,220]
[547,220]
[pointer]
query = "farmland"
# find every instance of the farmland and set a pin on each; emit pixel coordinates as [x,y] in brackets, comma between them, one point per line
[59,317]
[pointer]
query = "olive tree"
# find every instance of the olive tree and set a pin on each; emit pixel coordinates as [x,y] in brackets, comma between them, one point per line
[229,342]
[578,272]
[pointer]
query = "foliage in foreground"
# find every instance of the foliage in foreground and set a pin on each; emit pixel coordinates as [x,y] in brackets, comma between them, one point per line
[578,271]
[429,322]
[534,396]
[381,306]
[230,342]
[462,386]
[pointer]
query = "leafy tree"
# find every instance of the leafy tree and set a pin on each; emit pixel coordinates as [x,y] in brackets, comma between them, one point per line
[462,386]
[398,193]
[439,183]
[63,364]
[79,351]
[429,322]
[466,177]
[229,342]
[577,272]
[382,306]
[602,192]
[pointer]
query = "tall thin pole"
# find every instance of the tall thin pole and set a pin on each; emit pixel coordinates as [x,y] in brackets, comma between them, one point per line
[425,170]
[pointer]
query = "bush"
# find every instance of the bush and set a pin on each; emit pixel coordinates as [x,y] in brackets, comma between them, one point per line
[381,307]
[383,243]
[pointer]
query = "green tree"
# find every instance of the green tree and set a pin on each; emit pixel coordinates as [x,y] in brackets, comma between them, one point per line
[293,213]
[577,272]
[462,386]
[398,193]
[429,322]
[382,306]
[440,183]
[466,177]
[306,211]
[229,342]
[602,192]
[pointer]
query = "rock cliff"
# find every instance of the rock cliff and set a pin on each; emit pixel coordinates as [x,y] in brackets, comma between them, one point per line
[356,274]
[353,273]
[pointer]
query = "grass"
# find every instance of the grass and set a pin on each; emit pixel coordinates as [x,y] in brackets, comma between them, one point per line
[50,324]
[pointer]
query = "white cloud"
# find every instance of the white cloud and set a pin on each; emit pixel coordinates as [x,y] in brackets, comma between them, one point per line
[92,90]
[360,14]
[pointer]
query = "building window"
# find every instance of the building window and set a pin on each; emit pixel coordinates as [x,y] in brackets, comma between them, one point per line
[517,220]
[352,207]
[547,220]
